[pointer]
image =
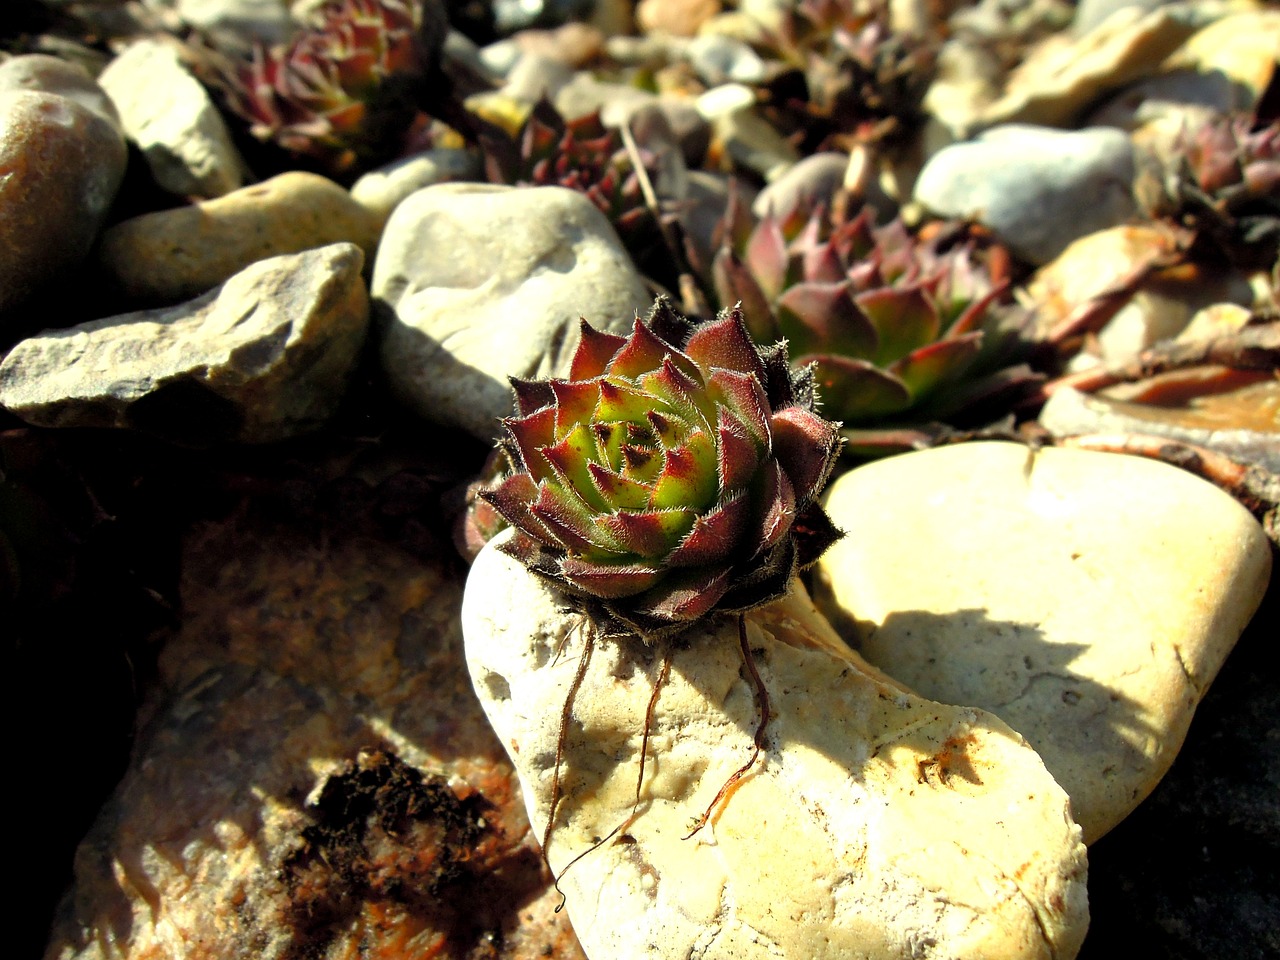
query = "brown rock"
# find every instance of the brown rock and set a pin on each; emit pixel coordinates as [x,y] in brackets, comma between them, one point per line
[680,18]
[61,164]
[316,780]
[173,255]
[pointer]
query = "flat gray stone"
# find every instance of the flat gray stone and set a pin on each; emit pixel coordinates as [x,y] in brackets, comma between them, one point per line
[487,282]
[170,116]
[263,357]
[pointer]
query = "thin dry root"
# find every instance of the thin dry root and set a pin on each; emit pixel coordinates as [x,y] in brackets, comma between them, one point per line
[663,673]
[762,696]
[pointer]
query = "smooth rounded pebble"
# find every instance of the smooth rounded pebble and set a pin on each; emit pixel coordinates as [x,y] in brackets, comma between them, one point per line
[1036,188]
[874,824]
[1087,599]
[481,283]
[173,255]
[61,164]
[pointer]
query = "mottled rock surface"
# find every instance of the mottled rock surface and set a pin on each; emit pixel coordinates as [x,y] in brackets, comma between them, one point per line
[874,824]
[485,283]
[262,357]
[172,255]
[316,779]
[1087,599]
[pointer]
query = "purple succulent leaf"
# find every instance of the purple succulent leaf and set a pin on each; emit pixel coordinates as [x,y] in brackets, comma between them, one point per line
[734,285]
[530,435]
[806,447]
[726,343]
[610,581]
[649,533]
[622,493]
[572,523]
[776,501]
[714,535]
[576,401]
[823,317]
[512,499]
[766,257]
[813,532]
[531,395]
[904,317]
[688,474]
[745,398]
[822,264]
[570,457]
[931,366]
[595,350]
[855,390]
[738,453]
[685,598]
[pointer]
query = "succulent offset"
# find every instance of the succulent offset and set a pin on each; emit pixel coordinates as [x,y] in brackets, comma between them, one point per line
[865,82]
[890,323]
[345,90]
[581,154]
[1224,185]
[675,473]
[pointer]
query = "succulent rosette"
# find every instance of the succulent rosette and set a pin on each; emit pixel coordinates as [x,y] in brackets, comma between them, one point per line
[891,323]
[582,154]
[345,90]
[675,473]
[1223,183]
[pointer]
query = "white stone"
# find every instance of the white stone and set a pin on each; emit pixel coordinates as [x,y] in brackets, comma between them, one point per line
[1036,188]
[1088,599]
[875,824]
[488,282]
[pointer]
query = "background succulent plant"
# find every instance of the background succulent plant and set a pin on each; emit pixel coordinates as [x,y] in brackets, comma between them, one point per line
[581,154]
[1223,183]
[892,323]
[863,82]
[675,473]
[347,88]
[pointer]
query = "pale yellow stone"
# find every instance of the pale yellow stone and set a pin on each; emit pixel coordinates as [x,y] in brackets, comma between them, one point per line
[173,255]
[1086,598]
[875,824]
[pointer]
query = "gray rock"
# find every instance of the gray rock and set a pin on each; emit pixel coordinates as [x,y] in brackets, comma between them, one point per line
[813,180]
[40,71]
[1035,187]
[380,191]
[61,164]
[266,21]
[1091,13]
[719,59]
[263,357]
[172,119]
[487,282]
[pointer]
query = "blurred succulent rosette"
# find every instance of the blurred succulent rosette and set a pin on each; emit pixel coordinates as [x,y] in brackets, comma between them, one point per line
[347,88]
[673,474]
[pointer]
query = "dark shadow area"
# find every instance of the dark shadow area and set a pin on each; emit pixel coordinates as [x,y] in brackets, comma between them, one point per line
[1194,872]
